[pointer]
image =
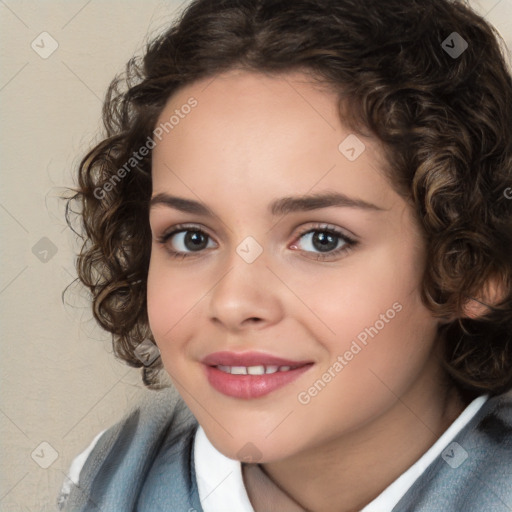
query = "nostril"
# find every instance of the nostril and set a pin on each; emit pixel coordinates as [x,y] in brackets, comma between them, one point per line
[254,319]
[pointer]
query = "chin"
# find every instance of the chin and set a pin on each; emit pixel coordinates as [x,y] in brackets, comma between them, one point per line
[252,447]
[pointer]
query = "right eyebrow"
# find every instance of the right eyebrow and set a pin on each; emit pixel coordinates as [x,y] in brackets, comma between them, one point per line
[181,204]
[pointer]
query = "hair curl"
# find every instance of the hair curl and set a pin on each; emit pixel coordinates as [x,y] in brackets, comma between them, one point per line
[444,123]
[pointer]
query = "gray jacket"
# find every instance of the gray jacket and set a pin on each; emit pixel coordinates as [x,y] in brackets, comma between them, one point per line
[144,463]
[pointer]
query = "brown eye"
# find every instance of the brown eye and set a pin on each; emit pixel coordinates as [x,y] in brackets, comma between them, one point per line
[182,242]
[195,240]
[324,241]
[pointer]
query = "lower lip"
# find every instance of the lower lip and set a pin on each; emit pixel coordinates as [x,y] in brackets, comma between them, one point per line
[251,386]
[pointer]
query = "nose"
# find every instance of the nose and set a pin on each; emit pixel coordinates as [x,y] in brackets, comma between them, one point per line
[246,297]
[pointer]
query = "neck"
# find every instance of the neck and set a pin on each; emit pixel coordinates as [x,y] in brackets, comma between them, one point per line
[353,469]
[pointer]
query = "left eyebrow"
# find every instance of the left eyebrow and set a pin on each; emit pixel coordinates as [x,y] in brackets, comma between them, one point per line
[280,206]
[286,205]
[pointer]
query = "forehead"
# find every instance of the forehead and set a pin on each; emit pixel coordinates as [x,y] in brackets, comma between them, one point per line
[248,105]
[295,90]
[264,132]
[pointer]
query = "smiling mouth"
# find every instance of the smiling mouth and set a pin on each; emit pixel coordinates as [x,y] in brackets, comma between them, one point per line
[251,374]
[254,370]
[250,382]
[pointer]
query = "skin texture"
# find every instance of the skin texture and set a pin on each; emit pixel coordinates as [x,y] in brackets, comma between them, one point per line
[253,138]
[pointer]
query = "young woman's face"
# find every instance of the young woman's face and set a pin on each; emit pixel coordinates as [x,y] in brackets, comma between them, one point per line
[288,243]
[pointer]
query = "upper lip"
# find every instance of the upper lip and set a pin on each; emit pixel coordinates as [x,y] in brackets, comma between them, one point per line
[253,358]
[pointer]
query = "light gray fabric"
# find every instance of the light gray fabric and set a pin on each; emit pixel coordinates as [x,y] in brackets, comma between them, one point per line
[144,463]
[483,482]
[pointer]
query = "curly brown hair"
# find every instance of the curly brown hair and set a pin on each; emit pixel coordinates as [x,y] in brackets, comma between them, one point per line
[403,74]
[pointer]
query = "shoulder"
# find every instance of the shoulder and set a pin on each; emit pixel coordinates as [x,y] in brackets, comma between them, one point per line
[120,457]
[495,418]
[73,475]
[474,471]
[488,443]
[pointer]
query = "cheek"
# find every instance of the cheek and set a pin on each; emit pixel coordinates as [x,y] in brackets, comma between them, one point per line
[349,298]
[372,308]
[171,296]
[370,360]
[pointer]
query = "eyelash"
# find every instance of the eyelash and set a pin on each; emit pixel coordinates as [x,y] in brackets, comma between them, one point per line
[349,243]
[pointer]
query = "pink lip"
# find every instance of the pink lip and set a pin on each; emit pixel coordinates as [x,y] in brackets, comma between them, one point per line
[226,358]
[250,386]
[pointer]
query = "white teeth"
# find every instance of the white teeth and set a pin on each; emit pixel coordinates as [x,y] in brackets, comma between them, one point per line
[238,370]
[255,370]
[252,370]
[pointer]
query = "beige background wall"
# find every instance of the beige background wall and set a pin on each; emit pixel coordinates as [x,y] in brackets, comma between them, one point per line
[60,384]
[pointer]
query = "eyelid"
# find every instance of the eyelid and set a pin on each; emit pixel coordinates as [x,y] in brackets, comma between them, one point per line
[319,226]
[164,238]
[177,228]
[180,228]
[316,226]
[350,241]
